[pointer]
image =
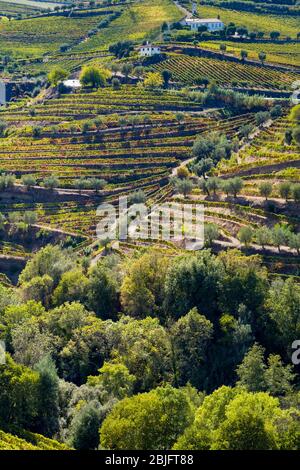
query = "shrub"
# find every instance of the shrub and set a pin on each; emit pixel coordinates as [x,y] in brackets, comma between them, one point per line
[93,76]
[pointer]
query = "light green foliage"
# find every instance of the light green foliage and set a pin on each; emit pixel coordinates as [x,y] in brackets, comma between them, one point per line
[50,182]
[207,418]
[142,290]
[248,424]
[115,378]
[26,440]
[255,375]
[233,186]
[93,77]
[38,288]
[8,296]
[278,377]
[64,320]
[295,114]
[211,233]
[57,75]
[285,190]
[31,342]
[245,235]
[147,421]
[28,180]
[73,286]
[265,189]
[153,80]
[296,135]
[16,313]
[145,349]
[263,236]
[50,260]
[183,186]
[251,372]
[232,419]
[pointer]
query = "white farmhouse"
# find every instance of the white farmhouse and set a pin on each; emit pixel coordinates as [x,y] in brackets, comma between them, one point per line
[212,24]
[148,50]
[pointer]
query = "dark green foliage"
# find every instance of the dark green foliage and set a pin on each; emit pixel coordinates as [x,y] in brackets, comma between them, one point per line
[213,147]
[19,394]
[102,292]
[85,427]
[191,336]
[193,281]
[191,320]
[48,397]
[121,49]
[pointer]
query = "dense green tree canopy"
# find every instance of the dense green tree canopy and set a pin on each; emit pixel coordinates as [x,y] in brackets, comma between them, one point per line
[193,281]
[191,336]
[147,421]
[142,291]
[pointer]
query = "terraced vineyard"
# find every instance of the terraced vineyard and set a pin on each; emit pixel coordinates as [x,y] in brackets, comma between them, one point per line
[149,198]
[266,154]
[37,36]
[138,21]
[131,152]
[286,25]
[70,61]
[266,159]
[128,156]
[276,53]
[107,101]
[186,69]
[14,9]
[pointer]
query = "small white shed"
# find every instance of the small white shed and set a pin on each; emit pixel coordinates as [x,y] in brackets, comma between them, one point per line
[72,83]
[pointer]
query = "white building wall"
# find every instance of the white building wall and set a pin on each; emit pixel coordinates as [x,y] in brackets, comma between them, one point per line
[211,26]
[149,51]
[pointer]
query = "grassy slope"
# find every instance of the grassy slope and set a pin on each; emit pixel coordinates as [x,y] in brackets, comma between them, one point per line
[136,23]
[287,25]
